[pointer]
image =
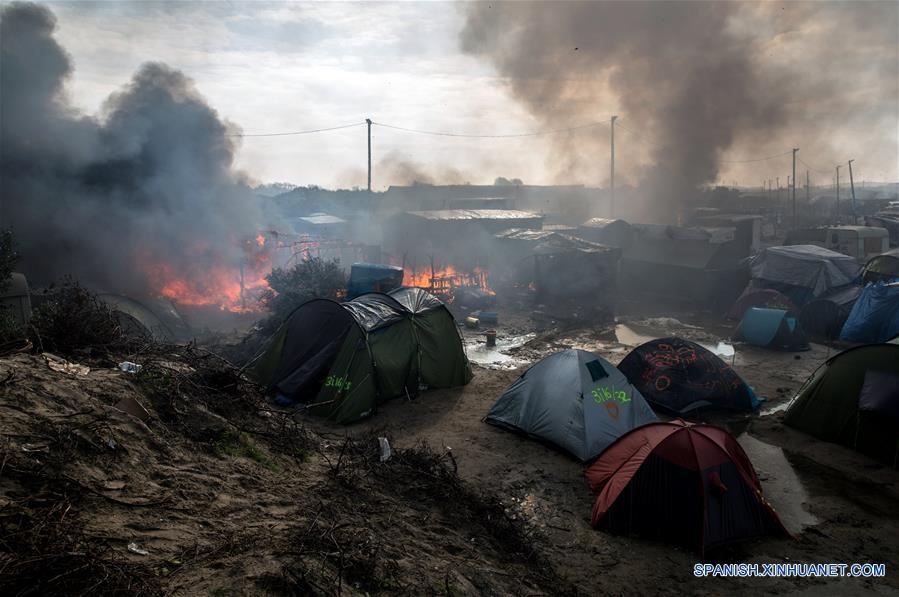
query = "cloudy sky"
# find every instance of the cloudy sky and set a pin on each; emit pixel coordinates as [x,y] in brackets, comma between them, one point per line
[279,67]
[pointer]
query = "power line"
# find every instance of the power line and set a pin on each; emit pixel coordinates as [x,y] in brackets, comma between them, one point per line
[507,136]
[618,123]
[647,140]
[813,169]
[770,157]
[333,128]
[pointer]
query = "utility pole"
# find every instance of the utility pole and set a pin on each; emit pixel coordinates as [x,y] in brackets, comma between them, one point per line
[852,186]
[808,198]
[368,121]
[838,193]
[612,173]
[795,149]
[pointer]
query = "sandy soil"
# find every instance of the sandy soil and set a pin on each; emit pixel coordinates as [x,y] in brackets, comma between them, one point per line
[220,519]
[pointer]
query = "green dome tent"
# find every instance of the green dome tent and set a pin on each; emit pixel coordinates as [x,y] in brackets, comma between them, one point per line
[883,267]
[574,399]
[853,400]
[343,359]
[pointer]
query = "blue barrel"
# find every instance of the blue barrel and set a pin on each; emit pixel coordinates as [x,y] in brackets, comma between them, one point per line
[373,277]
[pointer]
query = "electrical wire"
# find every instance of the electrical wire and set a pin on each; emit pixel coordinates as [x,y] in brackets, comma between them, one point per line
[308,132]
[618,123]
[507,136]
[813,169]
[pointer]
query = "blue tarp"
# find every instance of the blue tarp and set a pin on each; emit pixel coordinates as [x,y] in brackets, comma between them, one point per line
[875,316]
[759,326]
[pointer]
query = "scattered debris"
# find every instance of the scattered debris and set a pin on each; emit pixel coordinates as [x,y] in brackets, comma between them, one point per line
[134,548]
[129,367]
[63,366]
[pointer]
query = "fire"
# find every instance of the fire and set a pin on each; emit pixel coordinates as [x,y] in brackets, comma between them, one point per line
[224,284]
[444,280]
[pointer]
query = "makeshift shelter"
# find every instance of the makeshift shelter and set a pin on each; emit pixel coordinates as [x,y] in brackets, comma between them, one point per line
[693,265]
[679,376]
[884,267]
[615,233]
[15,299]
[683,483]
[874,316]
[343,359]
[763,298]
[853,400]
[152,317]
[802,272]
[771,328]
[574,399]
[824,317]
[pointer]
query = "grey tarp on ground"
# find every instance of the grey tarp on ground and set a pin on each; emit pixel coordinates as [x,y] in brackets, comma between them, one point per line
[575,400]
[809,266]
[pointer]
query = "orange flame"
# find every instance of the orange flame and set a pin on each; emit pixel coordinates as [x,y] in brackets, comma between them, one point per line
[231,286]
[446,279]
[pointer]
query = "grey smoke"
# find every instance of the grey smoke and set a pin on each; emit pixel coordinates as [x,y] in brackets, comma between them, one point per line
[148,180]
[694,78]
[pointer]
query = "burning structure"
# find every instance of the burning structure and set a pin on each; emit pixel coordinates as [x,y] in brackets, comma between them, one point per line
[141,200]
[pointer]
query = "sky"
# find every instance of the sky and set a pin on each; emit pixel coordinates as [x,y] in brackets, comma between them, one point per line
[280,67]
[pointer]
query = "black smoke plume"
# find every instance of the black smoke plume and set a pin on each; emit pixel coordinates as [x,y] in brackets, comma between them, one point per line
[694,79]
[123,200]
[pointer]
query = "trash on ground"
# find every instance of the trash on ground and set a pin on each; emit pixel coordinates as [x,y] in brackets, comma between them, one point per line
[129,367]
[63,366]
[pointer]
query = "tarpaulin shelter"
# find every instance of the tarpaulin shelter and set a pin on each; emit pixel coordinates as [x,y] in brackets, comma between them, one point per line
[824,316]
[154,317]
[574,399]
[762,297]
[15,299]
[853,400]
[694,265]
[884,267]
[771,328]
[802,272]
[679,376]
[343,359]
[615,233]
[683,483]
[874,316]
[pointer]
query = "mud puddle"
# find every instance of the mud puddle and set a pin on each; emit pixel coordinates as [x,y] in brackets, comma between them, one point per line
[496,357]
[782,486]
[635,335]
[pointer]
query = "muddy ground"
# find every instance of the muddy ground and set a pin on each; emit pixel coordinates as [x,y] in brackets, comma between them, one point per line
[219,494]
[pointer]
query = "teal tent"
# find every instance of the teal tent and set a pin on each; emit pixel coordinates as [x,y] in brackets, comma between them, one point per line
[574,399]
[771,328]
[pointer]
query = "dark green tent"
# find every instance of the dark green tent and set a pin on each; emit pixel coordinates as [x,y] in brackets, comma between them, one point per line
[343,359]
[853,400]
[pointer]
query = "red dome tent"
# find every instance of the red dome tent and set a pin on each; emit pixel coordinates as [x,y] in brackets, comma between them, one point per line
[680,482]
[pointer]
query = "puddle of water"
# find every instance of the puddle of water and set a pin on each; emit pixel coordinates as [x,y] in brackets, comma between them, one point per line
[630,335]
[781,485]
[776,409]
[495,357]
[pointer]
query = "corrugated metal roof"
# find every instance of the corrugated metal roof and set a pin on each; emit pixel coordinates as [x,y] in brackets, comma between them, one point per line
[474,214]
[322,219]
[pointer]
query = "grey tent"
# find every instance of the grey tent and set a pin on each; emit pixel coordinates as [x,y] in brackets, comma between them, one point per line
[574,399]
[802,272]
